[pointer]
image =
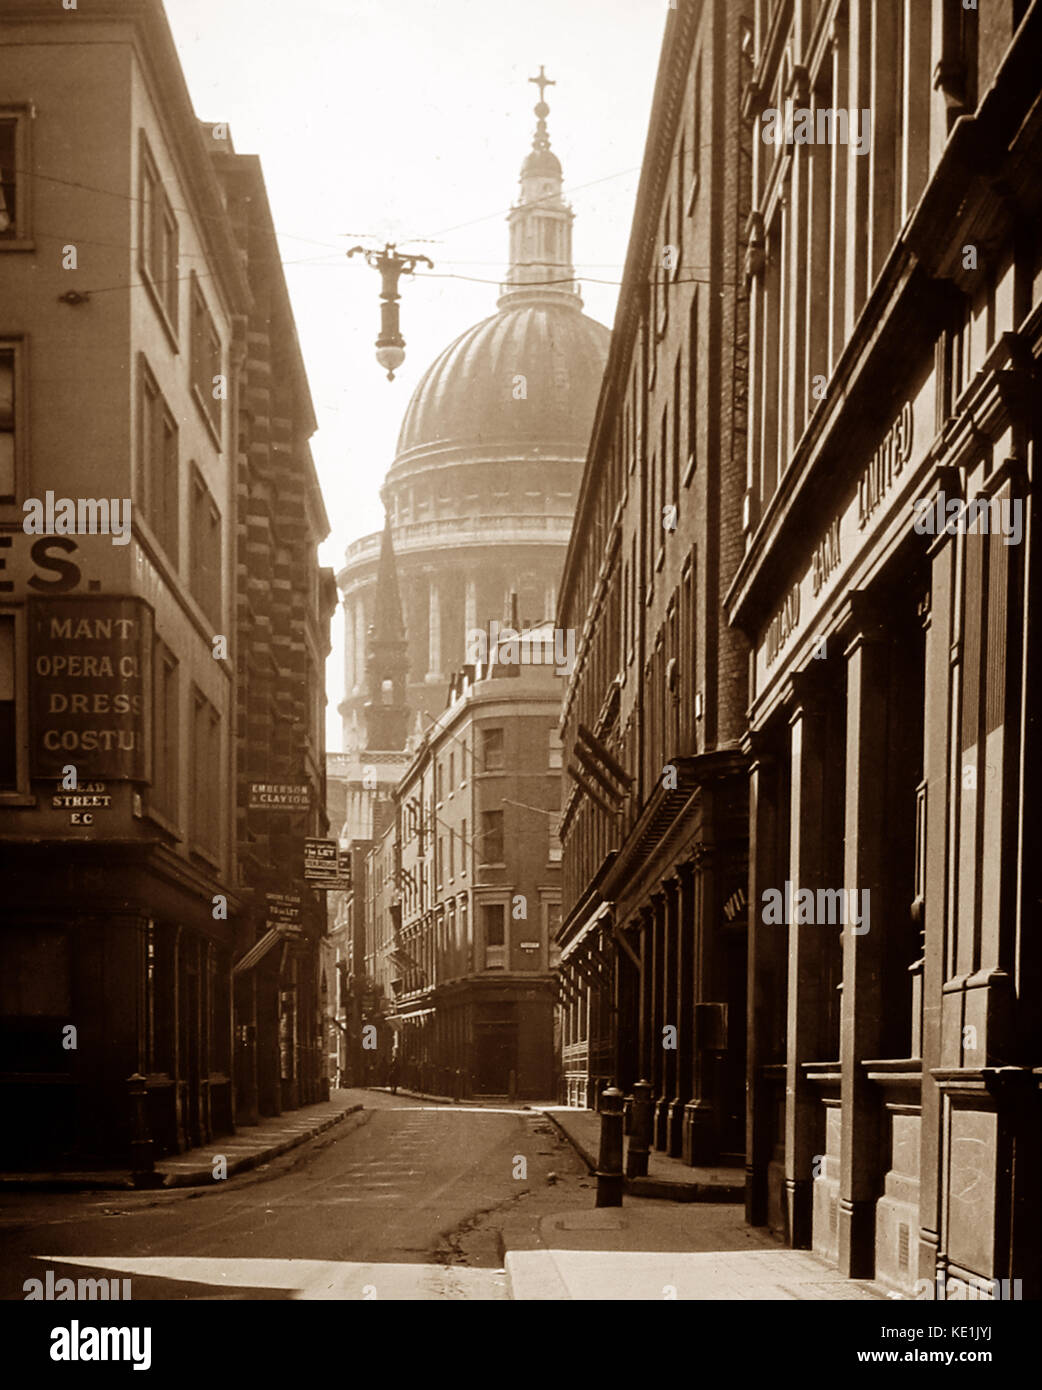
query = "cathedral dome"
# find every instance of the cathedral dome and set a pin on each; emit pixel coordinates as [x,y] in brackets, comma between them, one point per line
[528,376]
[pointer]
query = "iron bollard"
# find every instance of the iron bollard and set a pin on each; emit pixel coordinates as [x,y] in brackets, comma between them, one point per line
[142,1156]
[609,1162]
[640,1131]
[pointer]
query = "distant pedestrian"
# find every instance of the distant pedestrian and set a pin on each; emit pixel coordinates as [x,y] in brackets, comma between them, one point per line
[392,1076]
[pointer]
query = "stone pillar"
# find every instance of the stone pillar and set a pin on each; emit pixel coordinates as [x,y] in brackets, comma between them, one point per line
[658,941]
[762,1044]
[807,976]
[864,871]
[434,672]
[684,1006]
[470,613]
[550,604]
[702,1118]
[669,1012]
[360,643]
[647,919]
[350,677]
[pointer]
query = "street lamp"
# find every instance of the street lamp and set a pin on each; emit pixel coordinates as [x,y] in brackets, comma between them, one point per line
[390,346]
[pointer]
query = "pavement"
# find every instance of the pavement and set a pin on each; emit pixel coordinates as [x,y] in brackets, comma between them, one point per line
[248,1147]
[653,1250]
[668,1178]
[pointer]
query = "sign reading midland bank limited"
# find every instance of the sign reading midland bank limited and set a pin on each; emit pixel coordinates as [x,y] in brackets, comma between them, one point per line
[90,683]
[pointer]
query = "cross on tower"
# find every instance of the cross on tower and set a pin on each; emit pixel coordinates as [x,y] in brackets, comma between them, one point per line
[542,81]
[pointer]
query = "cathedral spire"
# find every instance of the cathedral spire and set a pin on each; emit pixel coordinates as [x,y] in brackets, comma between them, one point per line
[386,712]
[540,223]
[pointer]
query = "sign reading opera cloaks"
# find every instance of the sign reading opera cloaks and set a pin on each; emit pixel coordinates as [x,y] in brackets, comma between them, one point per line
[89,662]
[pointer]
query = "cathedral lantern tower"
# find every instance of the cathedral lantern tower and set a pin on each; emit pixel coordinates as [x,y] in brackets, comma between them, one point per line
[540,223]
[486,475]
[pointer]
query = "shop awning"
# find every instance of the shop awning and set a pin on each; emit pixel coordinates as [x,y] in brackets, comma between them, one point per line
[410,1016]
[584,932]
[256,952]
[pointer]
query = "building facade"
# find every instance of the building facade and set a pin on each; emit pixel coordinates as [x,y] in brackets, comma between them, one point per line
[464,892]
[482,489]
[124,303]
[652,975]
[284,602]
[360,787]
[886,590]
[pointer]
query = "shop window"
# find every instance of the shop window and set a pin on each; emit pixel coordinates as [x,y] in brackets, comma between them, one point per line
[35,997]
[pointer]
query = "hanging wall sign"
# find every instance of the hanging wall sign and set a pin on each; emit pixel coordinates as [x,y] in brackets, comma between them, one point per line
[90,687]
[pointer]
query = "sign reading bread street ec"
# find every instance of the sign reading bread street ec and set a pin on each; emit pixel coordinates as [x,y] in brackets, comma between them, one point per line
[90,705]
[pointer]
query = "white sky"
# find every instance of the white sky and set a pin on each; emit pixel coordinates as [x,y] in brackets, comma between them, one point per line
[399,120]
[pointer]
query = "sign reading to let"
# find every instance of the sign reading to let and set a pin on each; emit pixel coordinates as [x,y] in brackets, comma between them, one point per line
[283,913]
[325,867]
[320,859]
[90,682]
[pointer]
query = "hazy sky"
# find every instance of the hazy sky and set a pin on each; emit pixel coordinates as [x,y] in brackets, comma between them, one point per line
[408,120]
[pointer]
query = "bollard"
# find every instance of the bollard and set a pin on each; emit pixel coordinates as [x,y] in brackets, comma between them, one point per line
[609,1162]
[142,1157]
[640,1131]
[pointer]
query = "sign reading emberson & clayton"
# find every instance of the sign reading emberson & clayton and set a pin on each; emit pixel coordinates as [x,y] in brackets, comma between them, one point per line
[279,796]
[90,670]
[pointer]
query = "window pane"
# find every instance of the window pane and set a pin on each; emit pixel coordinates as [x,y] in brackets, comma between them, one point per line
[8,177]
[8,749]
[494,928]
[492,749]
[7,424]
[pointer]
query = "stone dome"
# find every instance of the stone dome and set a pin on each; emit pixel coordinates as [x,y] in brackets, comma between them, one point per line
[469,398]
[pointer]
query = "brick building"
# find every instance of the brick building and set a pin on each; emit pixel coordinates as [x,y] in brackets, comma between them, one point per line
[654,815]
[895,335]
[283,606]
[463,889]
